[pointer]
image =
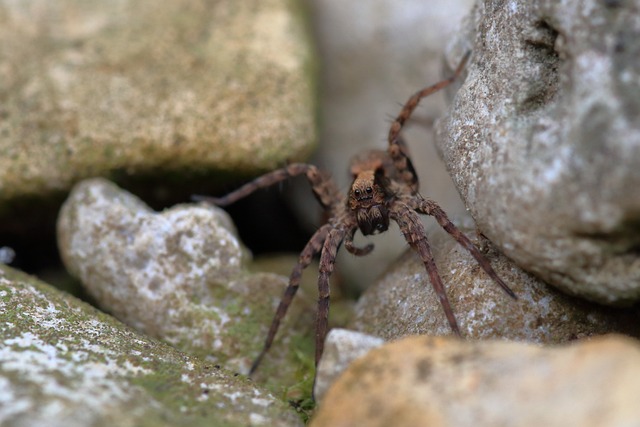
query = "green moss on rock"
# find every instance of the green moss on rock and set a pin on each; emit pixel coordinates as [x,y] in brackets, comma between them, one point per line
[62,362]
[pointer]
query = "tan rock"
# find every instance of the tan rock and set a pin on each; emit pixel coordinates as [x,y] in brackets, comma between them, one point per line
[93,88]
[431,381]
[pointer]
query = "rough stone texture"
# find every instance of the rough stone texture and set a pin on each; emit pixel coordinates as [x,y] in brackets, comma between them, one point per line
[543,140]
[446,382]
[179,276]
[64,363]
[403,302]
[90,87]
[340,349]
[370,66]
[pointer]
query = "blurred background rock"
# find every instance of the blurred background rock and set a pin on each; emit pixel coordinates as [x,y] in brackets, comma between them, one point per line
[196,97]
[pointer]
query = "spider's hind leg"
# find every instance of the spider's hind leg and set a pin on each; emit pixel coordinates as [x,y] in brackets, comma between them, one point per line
[397,148]
[404,169]
[323,187]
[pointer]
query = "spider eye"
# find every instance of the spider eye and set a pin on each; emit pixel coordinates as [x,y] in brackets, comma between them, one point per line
[369,190]
[356,192]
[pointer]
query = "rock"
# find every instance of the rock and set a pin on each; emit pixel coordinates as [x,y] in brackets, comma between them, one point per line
[100,88]
[543,140]
[370,67]
[64,363]
[403,303]
[7,255]
[179,275]
[340,349]
[438,381]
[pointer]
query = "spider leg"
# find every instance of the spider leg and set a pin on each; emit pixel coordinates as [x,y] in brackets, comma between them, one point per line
[314,246]
[429,207]
[397,149]
[413,231]
[323,187]
[327,262]
[349,246]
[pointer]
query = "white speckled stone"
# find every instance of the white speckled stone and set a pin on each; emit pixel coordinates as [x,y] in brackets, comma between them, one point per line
[178,275]
[341,347]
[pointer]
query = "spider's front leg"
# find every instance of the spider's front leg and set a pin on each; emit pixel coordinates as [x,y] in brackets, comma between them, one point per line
[429,207]
[312,247]
[329,197]
[327,261]
[413,231]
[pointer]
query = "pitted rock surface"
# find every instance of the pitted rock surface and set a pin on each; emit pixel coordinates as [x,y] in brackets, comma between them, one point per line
[543,139]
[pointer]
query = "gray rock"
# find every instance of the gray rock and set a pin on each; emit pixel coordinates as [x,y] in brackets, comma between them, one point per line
[403,303]
[340,349]
[64,363]
[179,275]
[434,381]
[90,88]
[543,140]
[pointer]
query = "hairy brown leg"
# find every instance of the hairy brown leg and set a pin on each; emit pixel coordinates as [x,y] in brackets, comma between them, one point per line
[351,248]
[312,247]
[429,207]
[413,231]
[323,187]
[327,261]
[397,150]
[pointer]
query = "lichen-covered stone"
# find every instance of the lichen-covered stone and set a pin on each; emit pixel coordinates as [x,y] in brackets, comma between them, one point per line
[403,302]
[179,275]
[437,382]
[543,139]
[65,364]
[90,88]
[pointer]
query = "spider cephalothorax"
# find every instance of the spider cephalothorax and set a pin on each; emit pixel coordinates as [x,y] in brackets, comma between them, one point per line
[368,199]
[384,189]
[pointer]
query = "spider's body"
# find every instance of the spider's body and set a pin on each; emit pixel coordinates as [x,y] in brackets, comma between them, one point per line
[368,201]
[384,189]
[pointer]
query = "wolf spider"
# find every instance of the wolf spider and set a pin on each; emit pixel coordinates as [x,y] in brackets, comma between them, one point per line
[384,188]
